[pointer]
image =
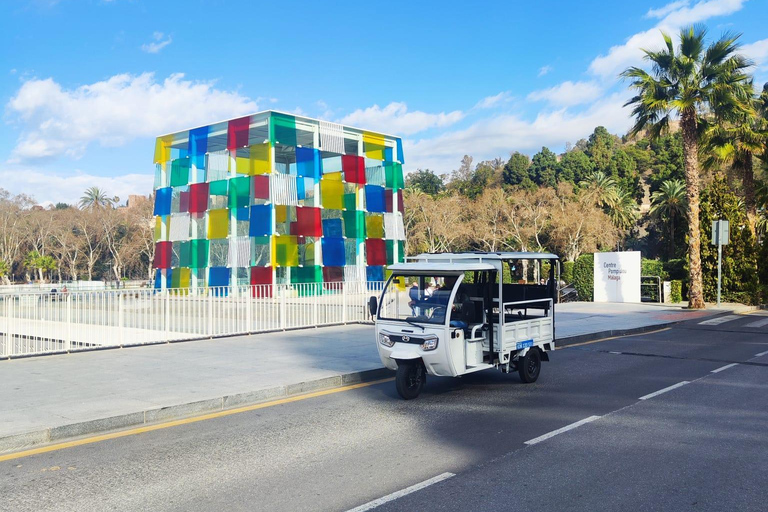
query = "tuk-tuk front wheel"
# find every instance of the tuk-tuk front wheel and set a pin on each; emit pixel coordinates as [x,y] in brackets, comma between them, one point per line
[529,366]
[410,378]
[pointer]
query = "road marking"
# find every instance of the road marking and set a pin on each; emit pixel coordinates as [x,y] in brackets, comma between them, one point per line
[719,320]
[761,354]
[724,367]
[185,421]
[401,493]
[758,323]
[561,430]
[659,392]
[612,338]
[614,352]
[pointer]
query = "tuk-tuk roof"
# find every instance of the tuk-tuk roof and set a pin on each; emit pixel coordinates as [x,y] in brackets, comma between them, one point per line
[439,268]
[487,256]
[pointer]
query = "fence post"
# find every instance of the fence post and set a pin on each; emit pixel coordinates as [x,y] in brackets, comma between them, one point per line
[120,318]
[248,306]
[7,330]
[68,339]
[344,289]
[314,303]
[209,311]
[283,309]
[167,316]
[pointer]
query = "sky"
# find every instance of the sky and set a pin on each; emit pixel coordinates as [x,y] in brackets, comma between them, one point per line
[89,84]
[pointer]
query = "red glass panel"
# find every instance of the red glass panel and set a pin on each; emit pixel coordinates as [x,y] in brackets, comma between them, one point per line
[198,197]
[237,132]
[376,251]
[261,187]
[354,168]
[163,252]
[308,221]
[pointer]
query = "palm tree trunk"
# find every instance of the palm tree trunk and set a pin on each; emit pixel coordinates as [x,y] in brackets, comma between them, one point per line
[748,180]
[690,153]
[671,234]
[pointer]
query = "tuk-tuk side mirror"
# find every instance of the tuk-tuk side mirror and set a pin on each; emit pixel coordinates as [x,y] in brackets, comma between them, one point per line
[373,305]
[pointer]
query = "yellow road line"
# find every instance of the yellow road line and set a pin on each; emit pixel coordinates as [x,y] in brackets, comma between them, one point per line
[613,338]
[185,421]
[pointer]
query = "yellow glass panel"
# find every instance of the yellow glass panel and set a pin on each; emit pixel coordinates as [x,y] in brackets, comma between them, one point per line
[333,176]
[184,274]
[309,255]
[281,213]
[373,144]
[332,193]
[158,228]
[163,149]
[218,223]
[374,226]
[286,251]
[260,161]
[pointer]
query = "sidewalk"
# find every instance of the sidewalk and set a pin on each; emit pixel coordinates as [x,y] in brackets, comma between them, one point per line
[52,398]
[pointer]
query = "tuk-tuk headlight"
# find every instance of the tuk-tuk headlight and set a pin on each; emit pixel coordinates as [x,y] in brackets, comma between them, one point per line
[384,340]
[430,344]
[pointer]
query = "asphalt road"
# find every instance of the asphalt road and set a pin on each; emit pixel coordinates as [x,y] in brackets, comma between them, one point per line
[700,446]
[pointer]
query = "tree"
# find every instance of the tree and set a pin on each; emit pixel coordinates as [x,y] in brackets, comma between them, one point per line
[94,198]
[579,226]
[668,204]
[14,211]
[543,168]
[574,167]
[600,147]
[686,81]
[42,264]
[600,188]
[516,169]
[426,181]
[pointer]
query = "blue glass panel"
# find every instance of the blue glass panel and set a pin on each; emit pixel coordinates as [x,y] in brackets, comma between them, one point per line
[218,276]
[308,163]
[198,145]
[333,228]
[243,213]
[388,154]
[261,220]
[400,151]
[374,273]
[158,279]
[163,201]
[374,198]
[333,252]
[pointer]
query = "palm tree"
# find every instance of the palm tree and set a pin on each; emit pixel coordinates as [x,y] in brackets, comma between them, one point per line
[95,198]
[738,133]
[622,208]
[667,203]
[686,82]
[602,186]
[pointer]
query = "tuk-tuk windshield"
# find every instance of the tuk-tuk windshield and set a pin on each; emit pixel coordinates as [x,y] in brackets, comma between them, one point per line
[419,298]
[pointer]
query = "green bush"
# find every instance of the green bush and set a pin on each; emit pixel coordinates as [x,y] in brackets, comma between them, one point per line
[677,291]
[676,269]
[584,276]
[567,272]
[653,268]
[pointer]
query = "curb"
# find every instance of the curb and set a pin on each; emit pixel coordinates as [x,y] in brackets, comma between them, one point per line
[27,440]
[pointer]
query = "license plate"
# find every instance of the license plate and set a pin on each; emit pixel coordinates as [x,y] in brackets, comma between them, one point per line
[524,344]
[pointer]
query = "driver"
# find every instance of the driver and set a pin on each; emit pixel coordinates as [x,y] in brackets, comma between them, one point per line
[443,294]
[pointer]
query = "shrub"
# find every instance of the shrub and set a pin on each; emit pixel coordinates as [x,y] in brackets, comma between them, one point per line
[677,291]
[584,276]
[653,268]
[567,272]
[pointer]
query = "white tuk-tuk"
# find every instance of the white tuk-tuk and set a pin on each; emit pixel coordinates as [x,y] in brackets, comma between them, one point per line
[457,313]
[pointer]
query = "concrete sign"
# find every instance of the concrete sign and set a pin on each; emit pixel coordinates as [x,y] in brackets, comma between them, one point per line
[617,276]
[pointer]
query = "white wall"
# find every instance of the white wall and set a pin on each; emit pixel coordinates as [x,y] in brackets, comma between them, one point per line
[617,276]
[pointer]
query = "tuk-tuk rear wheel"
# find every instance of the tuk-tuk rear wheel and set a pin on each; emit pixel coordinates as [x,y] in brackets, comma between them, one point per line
[410,378]
[529,366]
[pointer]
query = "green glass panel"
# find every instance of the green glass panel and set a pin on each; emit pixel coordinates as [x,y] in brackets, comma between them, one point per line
[180,172]
[286,251]
[400,251]
[390,244]
[354,224]
[184,255]
[218,188]
[394,175]
[283,129]
[239,192]
[350,201]
[311,274]
[198,253]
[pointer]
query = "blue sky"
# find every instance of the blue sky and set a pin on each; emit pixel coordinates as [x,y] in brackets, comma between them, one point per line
[90,83]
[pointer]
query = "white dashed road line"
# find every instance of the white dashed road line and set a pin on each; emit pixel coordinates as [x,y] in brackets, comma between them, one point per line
[758,323]
[761,354]
[561,430]
[659,392]
[401,493]
[718,370]
[720,320]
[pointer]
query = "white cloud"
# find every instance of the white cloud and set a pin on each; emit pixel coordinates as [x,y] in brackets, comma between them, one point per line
[497,136]
[621,56]
[396,119]
[51,187]
[663,11]
[757,51]
[544,70]
[493,101]
[568,93]
[158,44]
[57,121]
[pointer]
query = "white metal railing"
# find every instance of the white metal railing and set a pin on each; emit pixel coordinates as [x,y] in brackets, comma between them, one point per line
[44,323]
